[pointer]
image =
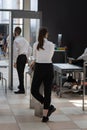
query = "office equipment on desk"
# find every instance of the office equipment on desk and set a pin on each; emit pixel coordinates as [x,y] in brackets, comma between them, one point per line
[64,68]
[60,55]
[59,39]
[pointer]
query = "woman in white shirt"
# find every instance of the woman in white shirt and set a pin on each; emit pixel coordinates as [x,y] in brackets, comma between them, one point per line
[43,51]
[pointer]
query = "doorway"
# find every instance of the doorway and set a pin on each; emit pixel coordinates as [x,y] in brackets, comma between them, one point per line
[30,23]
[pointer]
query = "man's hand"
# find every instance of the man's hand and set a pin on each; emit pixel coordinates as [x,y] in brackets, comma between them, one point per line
[15,65]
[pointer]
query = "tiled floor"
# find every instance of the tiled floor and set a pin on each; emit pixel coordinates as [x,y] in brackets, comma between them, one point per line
[15,112]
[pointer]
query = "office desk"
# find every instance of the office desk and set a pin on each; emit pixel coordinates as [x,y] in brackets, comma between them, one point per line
[65,68]
[4,63]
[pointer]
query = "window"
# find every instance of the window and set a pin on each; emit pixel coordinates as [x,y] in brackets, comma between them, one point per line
[34,5]
[5,4]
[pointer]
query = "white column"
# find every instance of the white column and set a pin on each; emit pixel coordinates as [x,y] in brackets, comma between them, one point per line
[27,21]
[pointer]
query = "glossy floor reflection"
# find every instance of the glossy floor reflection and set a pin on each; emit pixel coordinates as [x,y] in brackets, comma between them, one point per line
[15,112]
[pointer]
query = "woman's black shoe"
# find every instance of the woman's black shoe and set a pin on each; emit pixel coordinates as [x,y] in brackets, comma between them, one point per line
[51,110]
[45,119]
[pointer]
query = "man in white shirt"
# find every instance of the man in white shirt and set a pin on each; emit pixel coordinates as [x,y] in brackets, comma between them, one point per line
[21,51]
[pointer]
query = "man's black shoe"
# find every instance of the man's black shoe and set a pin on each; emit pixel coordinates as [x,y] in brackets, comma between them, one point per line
[19,92]
[18,87]
[51,110]
[45,119]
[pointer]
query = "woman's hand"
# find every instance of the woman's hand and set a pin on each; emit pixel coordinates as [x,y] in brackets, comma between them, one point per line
[32,64]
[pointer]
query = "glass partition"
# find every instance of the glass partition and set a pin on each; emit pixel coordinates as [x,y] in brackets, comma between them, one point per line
[34,5]
[9,4]
[34,27]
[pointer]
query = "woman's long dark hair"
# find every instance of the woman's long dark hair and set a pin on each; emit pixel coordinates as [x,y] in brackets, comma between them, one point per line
[41,36]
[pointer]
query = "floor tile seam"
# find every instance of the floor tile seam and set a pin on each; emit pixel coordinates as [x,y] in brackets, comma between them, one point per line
[12,113]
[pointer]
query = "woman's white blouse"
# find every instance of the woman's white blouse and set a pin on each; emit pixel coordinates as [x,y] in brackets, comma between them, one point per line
[43,56]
